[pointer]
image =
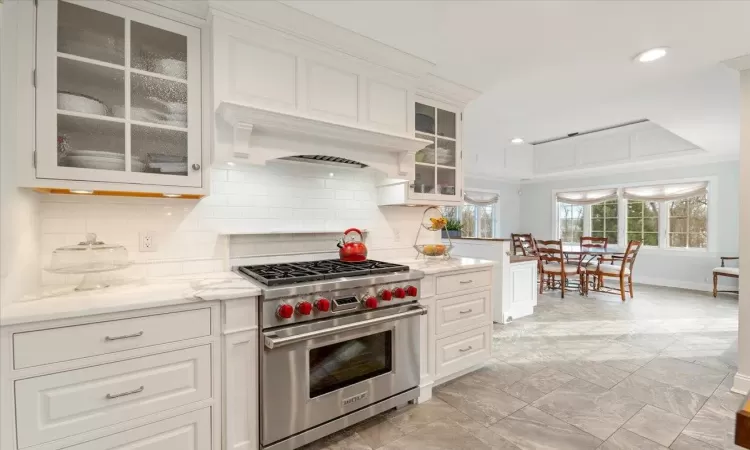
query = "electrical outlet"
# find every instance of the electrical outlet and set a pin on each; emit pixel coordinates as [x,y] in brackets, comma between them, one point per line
[146,241]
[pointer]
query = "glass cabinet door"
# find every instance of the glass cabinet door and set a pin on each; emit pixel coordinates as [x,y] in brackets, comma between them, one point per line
[118,95]
[437,165]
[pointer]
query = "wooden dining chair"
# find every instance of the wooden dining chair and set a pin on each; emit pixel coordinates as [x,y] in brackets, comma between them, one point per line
[552,265]
[620,268]
[523,244]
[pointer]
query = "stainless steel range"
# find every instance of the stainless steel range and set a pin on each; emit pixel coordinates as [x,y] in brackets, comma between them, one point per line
[339,344]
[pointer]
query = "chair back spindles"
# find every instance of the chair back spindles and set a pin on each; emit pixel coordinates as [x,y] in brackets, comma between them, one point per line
[523,244]
[550,251]
[631,252]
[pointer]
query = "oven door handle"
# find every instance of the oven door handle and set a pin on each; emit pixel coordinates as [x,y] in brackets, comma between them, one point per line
[272,341]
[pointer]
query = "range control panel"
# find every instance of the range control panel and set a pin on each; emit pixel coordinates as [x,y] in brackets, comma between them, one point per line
[302,308]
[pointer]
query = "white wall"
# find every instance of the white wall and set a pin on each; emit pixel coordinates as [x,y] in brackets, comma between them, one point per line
[676,268]
[508,206]
[742,379]
[18,208]
[280,196]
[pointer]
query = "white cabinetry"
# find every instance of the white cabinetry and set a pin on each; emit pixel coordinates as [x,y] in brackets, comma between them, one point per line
[118,100]
[457,331]
[438,170]
[522,281]
[155,388]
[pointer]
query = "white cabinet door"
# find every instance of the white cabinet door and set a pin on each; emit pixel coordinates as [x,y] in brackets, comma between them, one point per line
[523,289]
[438,169]
[191,431]
[118,96]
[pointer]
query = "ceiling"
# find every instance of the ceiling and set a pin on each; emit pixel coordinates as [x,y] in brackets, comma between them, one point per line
[548,68]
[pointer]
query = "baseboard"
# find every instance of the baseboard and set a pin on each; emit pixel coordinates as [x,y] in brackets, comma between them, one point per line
[665,282]
[741,384]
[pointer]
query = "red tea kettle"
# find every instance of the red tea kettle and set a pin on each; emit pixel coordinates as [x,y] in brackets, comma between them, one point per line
[352,251]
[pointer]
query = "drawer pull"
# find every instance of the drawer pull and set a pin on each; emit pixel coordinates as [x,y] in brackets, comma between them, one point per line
[134,391]
[466,281]
[466,311]
[463,350]
[127,336]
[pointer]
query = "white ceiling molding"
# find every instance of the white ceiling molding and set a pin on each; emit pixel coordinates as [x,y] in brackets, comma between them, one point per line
[261,135]
[446,91]
[325,34]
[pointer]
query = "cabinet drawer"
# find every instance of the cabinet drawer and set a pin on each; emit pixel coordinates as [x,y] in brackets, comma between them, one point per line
[461,312]
[191,431]
[455,353]
[35,348]
[67,403]
[463,281]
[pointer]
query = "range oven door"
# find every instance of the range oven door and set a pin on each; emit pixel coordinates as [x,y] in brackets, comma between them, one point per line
[316,372]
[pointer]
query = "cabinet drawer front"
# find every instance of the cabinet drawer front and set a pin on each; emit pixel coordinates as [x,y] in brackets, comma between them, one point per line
[67,403]
[463,281]
[463,350]
[35,348]
[191,431]
[461,312]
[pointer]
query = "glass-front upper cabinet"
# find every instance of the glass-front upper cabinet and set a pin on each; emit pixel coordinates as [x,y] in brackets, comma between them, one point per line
[437,166]
[118,95]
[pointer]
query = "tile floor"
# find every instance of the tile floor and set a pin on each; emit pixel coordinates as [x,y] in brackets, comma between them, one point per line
[584,373]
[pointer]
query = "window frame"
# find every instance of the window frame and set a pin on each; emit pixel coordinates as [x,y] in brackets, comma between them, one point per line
[475,233]
[711,215]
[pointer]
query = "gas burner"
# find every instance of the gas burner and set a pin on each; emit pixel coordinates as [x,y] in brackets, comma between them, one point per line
[298,272]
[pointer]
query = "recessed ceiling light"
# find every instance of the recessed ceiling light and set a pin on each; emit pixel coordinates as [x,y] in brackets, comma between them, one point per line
[517,140]
[651,55]
[230,163]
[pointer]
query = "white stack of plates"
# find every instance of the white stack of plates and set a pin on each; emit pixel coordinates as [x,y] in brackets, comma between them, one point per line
[101,160]
[80,103]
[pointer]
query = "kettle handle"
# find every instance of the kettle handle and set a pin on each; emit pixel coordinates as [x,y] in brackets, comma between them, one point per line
[361,238]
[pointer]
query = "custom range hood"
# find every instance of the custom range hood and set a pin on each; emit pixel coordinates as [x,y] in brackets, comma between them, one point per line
[254,135]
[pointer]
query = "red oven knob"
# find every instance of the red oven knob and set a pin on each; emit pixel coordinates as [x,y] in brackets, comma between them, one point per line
[411,291]
[399,293]
[385,294]
[323,304]
[371,302]
[304,308]
[285,311]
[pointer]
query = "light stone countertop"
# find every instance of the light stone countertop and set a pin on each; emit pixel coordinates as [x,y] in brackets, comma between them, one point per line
[433,266]
[65,302]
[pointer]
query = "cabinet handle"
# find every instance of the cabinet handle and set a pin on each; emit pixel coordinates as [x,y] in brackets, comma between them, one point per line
[463,350]
[466,281]
[123,394]
[466,311]
[196,167]
[127,336]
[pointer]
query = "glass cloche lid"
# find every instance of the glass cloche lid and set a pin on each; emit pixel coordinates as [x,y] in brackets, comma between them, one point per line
[90,256]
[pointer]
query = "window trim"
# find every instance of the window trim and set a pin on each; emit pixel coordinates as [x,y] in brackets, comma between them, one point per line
[711,222]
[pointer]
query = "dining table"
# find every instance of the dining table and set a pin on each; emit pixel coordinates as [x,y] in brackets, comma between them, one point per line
[586,255]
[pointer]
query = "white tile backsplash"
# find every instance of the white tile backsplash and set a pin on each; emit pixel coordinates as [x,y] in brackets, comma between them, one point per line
[279,197]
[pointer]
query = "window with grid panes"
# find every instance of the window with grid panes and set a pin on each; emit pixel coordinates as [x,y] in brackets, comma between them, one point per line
[688,222]
[570,221]
[604,220]
[476,221]
[643,222]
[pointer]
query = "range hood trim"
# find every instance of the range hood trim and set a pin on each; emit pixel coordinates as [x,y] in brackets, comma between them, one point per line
[331,138]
